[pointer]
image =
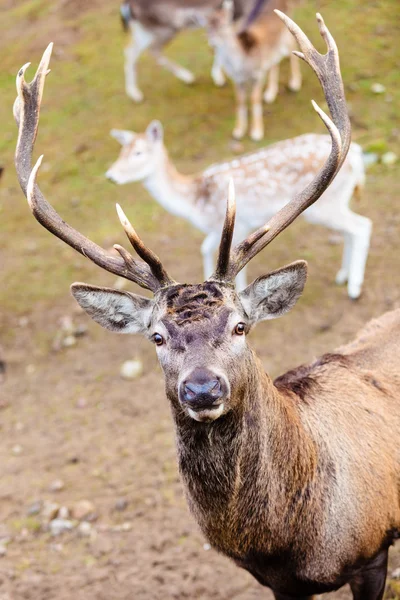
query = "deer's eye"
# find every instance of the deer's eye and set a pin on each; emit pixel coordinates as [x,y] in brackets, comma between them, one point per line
[240,329]
[158,339]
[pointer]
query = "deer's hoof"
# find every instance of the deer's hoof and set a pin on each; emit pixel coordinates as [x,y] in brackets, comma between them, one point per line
[186,76]
[270,96]
[257,135]
[238,134]
[218,78]
[342,277]
[294,85]
[354,291]
[135,94]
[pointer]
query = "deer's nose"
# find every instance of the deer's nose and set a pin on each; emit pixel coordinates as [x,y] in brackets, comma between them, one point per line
[201,389]
[111,177]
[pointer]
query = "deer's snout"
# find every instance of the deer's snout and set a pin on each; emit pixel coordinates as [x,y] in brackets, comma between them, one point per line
[202,391]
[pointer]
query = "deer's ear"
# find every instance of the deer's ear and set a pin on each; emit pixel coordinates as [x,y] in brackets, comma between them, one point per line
[273,295]
[122,312]
[155,132]
[123,136]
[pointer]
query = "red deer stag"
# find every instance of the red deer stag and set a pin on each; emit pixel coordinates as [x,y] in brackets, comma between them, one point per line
[296,480]
[248,49]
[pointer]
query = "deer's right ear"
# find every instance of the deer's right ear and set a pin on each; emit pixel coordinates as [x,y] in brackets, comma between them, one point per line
[122,136]
[122,312]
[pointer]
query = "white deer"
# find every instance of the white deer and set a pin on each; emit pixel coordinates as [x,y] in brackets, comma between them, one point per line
[265,181]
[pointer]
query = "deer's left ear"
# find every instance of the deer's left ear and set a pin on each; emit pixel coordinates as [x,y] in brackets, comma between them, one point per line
[155,132]
[273,295]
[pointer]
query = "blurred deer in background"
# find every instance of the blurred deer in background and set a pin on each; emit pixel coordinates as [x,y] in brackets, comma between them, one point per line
[248,49]
[265,181]
[296,481]
[153,24]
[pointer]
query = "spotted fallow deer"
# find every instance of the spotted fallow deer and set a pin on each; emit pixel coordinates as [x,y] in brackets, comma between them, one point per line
[249,48]
[265,181]
[296,480]
[153,24]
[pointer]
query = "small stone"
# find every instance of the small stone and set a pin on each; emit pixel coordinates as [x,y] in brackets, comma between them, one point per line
[34,508]
[82,509]
[57,485]
[85,529]
[206,547]
[63,513]
[17,450]
[80,330]
[378,88]
[50,510]
[69,341]
[389,158]
[59,526]
[3,550]
[126,526]
[23,321]
[121,504]
[396,573]
[131,369]
[30,369]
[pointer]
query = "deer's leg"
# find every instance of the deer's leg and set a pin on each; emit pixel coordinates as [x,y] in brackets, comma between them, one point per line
[208,249]
[273,85]
[257,125]
[360,230]
[369,584]
[295,80]
[142,39]
[241,112]
[217,73]
[171,66]
[342,275]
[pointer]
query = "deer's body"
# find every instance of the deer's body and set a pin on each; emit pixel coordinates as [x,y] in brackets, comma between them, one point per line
[265,181]
[298,480]
[248,52]
[287,496]
[154,24]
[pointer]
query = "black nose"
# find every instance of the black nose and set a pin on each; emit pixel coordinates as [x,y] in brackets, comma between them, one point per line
[201,389]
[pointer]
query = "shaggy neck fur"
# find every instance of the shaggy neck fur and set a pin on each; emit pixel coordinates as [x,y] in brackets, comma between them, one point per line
[249,470]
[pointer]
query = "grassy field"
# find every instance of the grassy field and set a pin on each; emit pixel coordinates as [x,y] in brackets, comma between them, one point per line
[125,448]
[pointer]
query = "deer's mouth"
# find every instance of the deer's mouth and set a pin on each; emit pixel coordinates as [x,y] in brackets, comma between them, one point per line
[204,415]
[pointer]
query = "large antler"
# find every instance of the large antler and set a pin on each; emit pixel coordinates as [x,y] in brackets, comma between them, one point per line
[327,69]
[149,274]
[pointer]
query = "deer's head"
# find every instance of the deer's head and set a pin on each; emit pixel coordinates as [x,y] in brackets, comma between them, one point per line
[199,330]
[140,155]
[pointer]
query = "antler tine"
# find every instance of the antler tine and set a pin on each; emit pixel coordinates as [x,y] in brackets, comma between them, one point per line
[327,68]
[224,252]
[26,112]
[148,256]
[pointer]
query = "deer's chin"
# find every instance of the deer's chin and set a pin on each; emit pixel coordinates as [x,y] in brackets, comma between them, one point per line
[208,414]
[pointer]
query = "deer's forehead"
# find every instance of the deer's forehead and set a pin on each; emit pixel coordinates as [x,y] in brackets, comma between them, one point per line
[190,310]
[138,144]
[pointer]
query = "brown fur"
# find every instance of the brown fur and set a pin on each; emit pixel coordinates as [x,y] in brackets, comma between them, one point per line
[298,483]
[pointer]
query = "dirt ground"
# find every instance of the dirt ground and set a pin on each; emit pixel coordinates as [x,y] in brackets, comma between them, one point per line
[71,428]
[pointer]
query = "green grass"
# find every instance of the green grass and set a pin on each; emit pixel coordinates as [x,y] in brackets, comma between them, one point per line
[84,98]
